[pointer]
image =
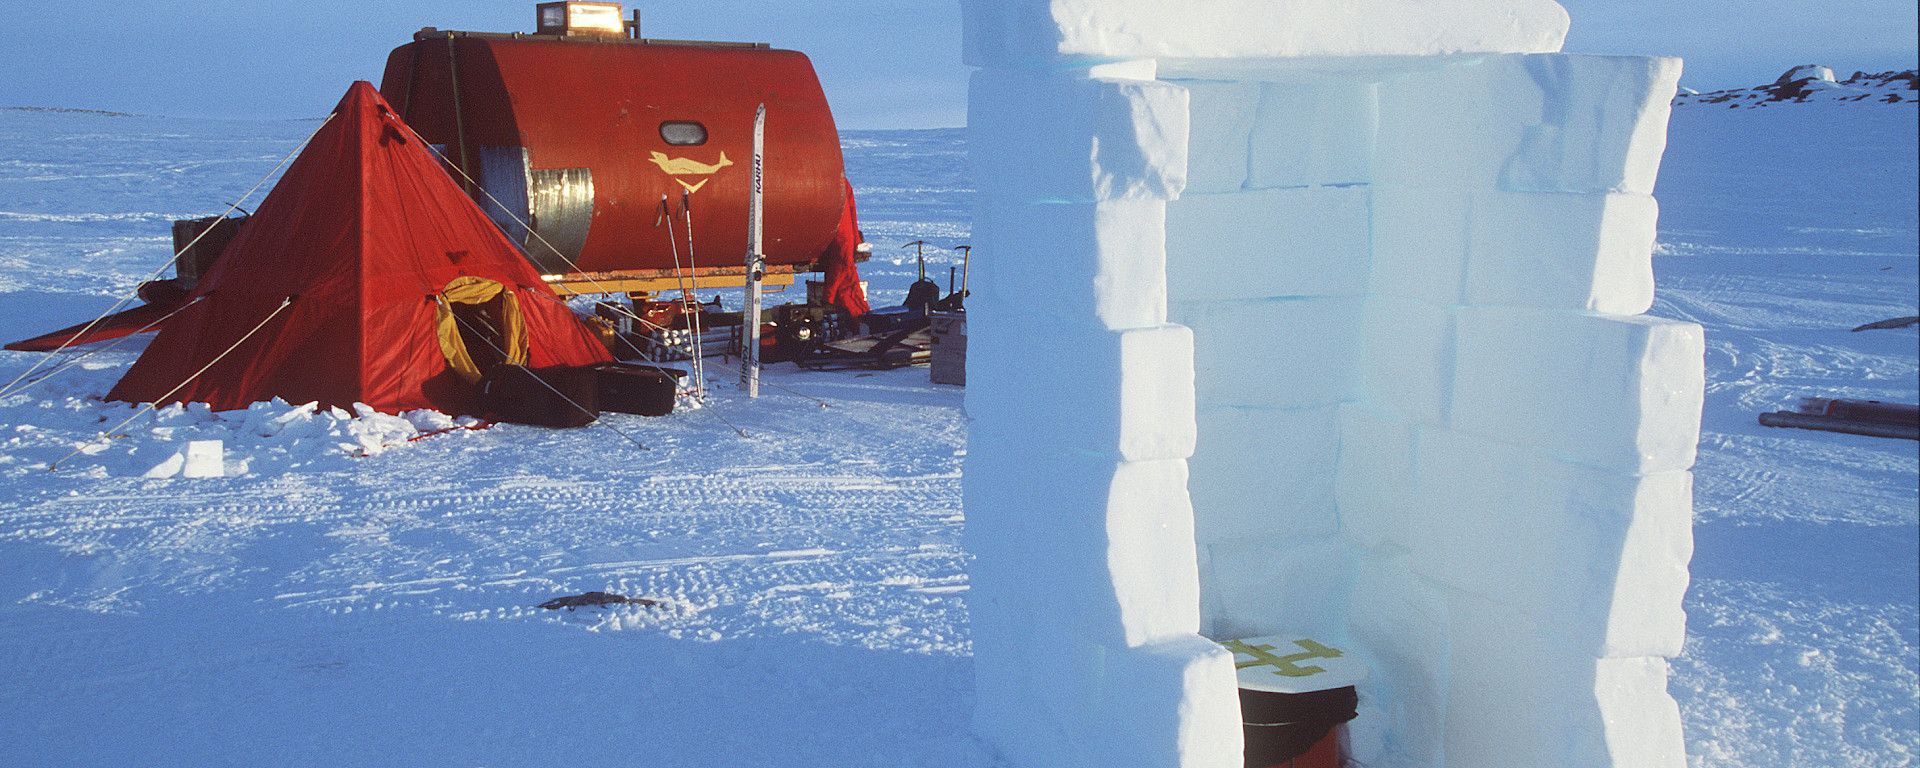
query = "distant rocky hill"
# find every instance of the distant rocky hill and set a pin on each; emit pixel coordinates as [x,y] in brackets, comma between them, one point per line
[1812,82]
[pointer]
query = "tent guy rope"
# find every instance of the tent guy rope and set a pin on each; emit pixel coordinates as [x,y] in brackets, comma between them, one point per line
[135,293]
[284,303]
[82,357]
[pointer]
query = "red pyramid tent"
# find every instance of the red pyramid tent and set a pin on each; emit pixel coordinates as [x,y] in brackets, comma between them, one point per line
[366,276]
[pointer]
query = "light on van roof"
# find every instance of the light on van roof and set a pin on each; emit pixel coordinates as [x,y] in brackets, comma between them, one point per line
[581,18]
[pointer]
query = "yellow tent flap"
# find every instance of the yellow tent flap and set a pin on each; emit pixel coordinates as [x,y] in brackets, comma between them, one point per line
[468,289]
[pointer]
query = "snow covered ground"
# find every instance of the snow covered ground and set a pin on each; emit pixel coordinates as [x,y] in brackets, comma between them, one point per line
[349,597]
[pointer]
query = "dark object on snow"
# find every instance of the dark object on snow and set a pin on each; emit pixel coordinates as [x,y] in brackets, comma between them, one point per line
[921,296]
[640,389]
[1856,417]
[1898,322]
[592,599]
[1899,414]
[559,397]
[1830,424]
[907,344]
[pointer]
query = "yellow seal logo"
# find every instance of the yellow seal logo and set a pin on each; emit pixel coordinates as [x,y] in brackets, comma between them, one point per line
[685,166]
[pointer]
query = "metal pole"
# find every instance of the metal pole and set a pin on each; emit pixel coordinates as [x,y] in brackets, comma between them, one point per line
[756,265]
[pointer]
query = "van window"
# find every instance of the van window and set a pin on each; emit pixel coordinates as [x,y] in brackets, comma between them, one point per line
[683,132]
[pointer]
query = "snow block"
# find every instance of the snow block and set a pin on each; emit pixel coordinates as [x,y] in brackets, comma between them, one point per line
[1176,698]
[1294,242]
[1312,133]
[1263,475]
[1374,488]
[1273,353]
[1643,720]
[1051,135]
[1103,546]
[1603,127]
[1402,621]
[1408,364]
[1619,393]
[204,458]
[1562,251]
[1253,589]
[1220,123]
[1598,558]
[1071,261]
[1179,701]
[1420,243]
[1127,394]
[1517,697]
[1035,32]
[1542,123]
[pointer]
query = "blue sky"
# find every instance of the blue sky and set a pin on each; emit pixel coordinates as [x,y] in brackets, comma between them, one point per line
[884,63]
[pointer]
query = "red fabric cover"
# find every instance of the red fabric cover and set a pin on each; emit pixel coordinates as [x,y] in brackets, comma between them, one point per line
[363,231]
[111,327]
[163,298]
[843,275]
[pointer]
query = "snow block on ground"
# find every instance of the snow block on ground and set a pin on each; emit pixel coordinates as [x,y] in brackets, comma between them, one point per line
[1103,546]
[1408,361]
[1519,698]
[1542,123]
[1374,489]
[1220,121]
[1562,251]
[1177,698]
[1051,135]
[1268,244]
[1253,589]
[1035,32]
[1312,133]
[1262,475]
[1180,704]
[1420,243]
[1620,393]
[1598,558]
[1401,620]
[1126,394]
[1273,353]
[1105,260]
[204,458]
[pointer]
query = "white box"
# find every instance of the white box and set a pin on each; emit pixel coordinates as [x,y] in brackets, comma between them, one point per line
[1106,547]
[1408,363]
[1312,132]
[1621,393]
[1274,353]
[1260,475]
[1519,698]
[1374,485]
[1402,621]
[1220,121]
[1420,243]
[1589,252]
[1596,558]
[1037,135]
[1126,394]
[1251,589]
[1545,122]
[1053,262]
[1269,244]
[1004,33]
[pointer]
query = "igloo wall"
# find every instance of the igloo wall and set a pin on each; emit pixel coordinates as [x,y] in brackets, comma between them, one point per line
[1331,329]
